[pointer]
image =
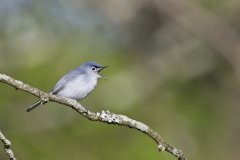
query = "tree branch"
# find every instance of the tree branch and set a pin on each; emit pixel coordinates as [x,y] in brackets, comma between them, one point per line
[7,147]
[103,116]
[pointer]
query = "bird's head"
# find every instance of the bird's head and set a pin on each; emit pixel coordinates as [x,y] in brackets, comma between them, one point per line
[94,68]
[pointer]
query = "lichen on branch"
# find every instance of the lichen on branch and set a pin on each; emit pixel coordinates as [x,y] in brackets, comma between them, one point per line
[7,147]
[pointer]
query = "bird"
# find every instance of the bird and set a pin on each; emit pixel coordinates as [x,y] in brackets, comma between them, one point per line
[76,84]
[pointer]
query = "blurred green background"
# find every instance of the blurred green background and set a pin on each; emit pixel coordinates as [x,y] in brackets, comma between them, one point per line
[174,65]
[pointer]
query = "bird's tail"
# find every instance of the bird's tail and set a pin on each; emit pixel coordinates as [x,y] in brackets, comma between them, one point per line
[35,105]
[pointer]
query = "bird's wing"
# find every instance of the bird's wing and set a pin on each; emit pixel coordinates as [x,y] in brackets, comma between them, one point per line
[65,79]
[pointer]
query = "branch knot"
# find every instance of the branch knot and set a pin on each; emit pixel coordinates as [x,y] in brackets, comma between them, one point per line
[161,148]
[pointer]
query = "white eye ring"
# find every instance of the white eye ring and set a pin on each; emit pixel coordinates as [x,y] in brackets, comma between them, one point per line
[93,68]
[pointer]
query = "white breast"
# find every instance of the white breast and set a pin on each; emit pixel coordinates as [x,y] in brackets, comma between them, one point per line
[79,88]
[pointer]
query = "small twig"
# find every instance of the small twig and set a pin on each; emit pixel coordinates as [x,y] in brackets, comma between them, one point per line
[103,116]
[7,147]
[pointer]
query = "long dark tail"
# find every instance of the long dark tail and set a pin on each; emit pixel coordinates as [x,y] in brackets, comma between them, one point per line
[35,105]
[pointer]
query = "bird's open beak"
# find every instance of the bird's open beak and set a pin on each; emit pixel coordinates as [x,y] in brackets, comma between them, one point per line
[104,67]
[101,70]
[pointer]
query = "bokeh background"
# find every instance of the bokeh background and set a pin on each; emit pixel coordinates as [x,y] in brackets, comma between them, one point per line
[174,65]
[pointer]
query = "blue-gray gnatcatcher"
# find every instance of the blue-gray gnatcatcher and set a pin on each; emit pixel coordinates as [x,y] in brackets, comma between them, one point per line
[77,84]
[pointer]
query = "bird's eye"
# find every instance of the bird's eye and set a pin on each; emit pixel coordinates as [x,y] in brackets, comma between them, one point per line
[93,68]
